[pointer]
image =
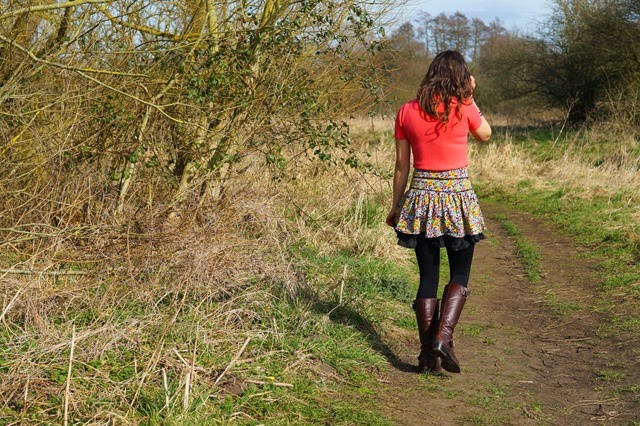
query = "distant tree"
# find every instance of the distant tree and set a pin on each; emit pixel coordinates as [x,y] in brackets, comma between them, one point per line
[424,30]
[459,32]
[496,29]
[455,31]
[440,34]
[403,40]
[478,35]
[412,44]
[404,62]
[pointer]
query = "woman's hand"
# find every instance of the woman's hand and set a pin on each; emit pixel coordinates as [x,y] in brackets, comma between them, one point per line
[391,218]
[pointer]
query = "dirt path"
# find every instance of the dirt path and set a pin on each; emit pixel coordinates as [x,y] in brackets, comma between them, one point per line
[530,353]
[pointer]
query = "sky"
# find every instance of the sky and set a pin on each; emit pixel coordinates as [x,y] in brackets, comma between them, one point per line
[521,14]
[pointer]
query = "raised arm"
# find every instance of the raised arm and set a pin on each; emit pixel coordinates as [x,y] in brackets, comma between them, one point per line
[482,133]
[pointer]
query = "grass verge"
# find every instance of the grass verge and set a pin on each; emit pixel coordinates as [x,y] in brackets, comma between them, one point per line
[526,251]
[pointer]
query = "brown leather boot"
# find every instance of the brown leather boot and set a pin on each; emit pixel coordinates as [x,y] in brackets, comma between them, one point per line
[453,299]
[427,318]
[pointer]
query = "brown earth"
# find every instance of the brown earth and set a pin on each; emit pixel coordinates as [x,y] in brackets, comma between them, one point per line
[530,353]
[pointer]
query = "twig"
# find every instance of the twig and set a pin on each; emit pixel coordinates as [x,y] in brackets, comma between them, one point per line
[67,67]
[577,339]
[51,273]
[67,392]
[344,276]
[165,385]
[44,7]
[190,375]
[181,357]
[26,397]
[135,98]
[187,384]
[233,361]
[6,309]
[591,402]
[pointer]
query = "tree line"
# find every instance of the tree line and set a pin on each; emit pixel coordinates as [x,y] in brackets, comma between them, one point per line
[584,59]
[412,44]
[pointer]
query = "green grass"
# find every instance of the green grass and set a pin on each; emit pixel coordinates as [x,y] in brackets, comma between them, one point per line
[527,253]
[608,375]
[360,274]
[336,348]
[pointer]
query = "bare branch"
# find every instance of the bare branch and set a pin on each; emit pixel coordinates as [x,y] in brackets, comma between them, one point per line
[145,29]
[129,95]
[54,6]
[63,66]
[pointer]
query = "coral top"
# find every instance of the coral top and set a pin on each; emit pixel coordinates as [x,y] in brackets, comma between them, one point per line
[436,146]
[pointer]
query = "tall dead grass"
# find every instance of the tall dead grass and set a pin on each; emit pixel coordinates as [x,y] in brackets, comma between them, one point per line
[144,297]
[147,297]
[586,168]
[342,209]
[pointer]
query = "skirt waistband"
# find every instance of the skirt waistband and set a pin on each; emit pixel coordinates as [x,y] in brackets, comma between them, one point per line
[441,181]
[462,172]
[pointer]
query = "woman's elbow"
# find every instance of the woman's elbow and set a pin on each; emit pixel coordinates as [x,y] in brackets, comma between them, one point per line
[484,136]
[483,133]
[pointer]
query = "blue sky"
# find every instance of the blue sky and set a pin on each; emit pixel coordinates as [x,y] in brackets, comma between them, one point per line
[522,14]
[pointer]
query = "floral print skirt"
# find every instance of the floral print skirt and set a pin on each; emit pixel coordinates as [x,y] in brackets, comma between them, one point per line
[442,207]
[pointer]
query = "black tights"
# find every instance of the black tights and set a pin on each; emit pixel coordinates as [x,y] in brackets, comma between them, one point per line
[429,264]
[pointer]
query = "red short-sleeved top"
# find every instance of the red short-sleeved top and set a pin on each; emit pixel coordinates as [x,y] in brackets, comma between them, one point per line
[436,146]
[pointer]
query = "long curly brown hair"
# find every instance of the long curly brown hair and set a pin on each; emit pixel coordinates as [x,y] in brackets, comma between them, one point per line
[448,78]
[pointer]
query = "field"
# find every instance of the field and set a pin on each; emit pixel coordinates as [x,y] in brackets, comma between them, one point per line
[289,302]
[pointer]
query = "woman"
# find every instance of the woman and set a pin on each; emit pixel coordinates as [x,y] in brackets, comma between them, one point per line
[440,208]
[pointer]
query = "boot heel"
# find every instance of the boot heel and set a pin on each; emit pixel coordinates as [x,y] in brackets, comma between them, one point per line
[439,350]
[448,362]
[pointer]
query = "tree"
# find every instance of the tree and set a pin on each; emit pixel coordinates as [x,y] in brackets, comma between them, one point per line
[154,103]
[404,61]
[218,81]
[587,50]
[425,30]
[478,36]
[455,32]
[459,32]
[593,45]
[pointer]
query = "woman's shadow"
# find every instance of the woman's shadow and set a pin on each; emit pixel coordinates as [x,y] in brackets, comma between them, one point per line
[343,314]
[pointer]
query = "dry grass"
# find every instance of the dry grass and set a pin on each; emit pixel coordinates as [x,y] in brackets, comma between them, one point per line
[508,167]
[161,307]
[143,296]
[506,164]
[341,209]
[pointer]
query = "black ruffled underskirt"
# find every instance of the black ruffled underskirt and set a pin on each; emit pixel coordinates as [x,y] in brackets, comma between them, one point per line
[452,243]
